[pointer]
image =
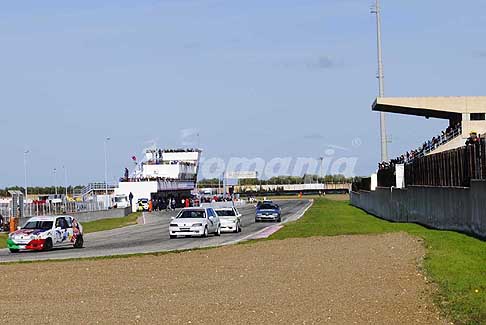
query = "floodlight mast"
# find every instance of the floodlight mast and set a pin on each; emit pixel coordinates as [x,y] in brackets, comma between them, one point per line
[381,82]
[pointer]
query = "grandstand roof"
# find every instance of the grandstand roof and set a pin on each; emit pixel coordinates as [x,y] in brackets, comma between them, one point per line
[438,107]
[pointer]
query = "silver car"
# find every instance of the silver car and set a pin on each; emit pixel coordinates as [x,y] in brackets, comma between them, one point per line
[230,219]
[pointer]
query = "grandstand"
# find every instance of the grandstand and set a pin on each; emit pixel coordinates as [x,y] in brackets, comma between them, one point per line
[441,184]
[465,115]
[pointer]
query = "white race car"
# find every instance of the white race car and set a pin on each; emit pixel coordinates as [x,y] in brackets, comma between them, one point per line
[195,222]
[230,219]
[44,233]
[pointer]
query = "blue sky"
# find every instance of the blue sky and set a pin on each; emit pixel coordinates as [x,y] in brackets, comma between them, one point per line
[256,78]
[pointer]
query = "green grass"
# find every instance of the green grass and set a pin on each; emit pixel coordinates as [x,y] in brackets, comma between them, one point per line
[455,262]
[108,224]
[3,240]
[94,226]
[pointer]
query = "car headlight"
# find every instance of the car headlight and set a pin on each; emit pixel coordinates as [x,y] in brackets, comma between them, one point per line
[197,225]
[173,225]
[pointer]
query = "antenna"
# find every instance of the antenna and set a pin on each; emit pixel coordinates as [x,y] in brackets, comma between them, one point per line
[381,81]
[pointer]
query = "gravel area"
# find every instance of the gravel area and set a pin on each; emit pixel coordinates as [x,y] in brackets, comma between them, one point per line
[339,280]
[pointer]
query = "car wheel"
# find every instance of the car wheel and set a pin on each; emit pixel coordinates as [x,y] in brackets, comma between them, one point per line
[14,250]
[79,242]
[48,244]
[218,231]
[205,234]
[173,236]
[279,219]
[256,220]
[239,227]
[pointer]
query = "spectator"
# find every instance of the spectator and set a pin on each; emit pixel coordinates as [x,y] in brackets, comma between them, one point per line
[450,133]
[130,198]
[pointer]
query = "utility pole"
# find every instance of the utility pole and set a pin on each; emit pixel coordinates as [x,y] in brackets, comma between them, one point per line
[106,171]
[26,152]
[381,82]
[65,181]
[320,174]
[55,181]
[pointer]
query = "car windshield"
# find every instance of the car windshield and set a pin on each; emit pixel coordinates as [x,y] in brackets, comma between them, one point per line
[266,206]
[120,199]
[226,213]
[196,214]
[44,225]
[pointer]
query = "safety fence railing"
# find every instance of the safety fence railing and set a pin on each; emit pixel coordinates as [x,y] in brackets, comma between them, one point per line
[452,168]
[49,208]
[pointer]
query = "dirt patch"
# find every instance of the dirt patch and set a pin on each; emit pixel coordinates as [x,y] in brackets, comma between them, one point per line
[340,280]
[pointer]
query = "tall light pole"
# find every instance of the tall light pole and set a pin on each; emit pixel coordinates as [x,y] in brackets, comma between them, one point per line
[106,169]
[65,181]
[55,181]
[321,159]
[381,82]
[26,152]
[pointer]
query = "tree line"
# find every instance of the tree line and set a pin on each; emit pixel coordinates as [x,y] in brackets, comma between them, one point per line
[40,190]
[281,180]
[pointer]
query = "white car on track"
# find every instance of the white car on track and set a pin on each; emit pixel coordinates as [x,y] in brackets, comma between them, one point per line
[230,219]
[195,222]
[44,233]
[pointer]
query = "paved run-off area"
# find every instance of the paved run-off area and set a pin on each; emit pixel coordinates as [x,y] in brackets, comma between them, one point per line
[342,280]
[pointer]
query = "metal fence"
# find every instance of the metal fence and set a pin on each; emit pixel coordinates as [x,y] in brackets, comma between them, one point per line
[452,168]
[48,208]
[449,168]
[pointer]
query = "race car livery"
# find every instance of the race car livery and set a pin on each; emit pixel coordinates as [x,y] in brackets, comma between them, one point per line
[44,233]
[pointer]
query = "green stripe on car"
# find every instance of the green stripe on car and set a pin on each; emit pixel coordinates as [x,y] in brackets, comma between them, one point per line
[11,244]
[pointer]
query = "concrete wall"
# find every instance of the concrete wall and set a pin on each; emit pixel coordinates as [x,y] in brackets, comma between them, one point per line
[445,208]
[294,187]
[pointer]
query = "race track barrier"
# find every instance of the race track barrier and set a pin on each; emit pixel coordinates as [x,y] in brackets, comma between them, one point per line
[459,209]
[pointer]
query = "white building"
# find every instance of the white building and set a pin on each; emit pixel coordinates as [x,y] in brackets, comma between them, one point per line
[164,174]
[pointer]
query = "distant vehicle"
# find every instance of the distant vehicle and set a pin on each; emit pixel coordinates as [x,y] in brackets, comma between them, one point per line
[44,233]
[263,202]
[121,201]
[230,219]
[195,222]
[268,212]
[143,204]
[55,198]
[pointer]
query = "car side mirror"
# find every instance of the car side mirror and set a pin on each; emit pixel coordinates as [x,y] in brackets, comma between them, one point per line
[18,227]
[58,228]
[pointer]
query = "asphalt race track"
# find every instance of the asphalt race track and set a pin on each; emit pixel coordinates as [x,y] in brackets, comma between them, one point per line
[153,236]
